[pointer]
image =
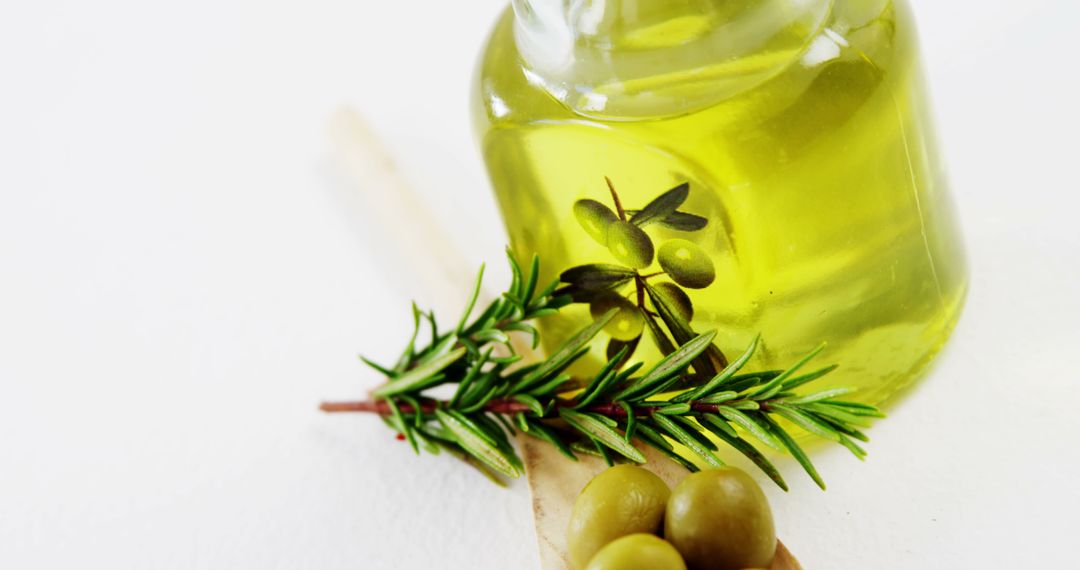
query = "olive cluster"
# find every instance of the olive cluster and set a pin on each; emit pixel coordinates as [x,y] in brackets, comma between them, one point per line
[622,232]
[716,519]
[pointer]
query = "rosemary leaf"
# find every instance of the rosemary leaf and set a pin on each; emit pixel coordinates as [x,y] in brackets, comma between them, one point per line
[644,430]
[818,396]
[568,352]
[853,447]
[514,291]
[470,376]
[600,431]
[657,442]
[719,398]
[774,385]
[522,422]
[796,451]
[631,421]
[534,405]
[587,447]
[747,423]
[679,434]
[715,423]
[674,409]
[668,368]
[750,452]
[600,384]
[530,284]
[806,422]
[545,433]
[478,444]
[403,426]
[423,376]
[551,386]
[725,375]
[382,370]
[526,328]
[792,383]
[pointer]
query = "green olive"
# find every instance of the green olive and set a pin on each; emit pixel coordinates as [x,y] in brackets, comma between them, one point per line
[637,552]
[595,218]
[719,519]
[622,500]
[687,264]
[677,300]
[627,323]
[630,245]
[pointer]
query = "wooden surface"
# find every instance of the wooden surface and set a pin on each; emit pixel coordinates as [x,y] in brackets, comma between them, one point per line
[555,482]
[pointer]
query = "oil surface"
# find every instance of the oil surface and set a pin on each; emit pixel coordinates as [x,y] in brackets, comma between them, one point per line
[829,217]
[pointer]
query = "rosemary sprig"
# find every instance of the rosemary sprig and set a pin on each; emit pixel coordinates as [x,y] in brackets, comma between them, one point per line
[621,408]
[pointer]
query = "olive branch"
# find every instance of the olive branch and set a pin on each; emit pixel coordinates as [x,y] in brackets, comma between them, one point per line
[602,285]
[683,415]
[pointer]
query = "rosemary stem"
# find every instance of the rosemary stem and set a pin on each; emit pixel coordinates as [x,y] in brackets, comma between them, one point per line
[497,406]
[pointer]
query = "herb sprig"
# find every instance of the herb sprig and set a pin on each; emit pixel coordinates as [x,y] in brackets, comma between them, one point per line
[621,408]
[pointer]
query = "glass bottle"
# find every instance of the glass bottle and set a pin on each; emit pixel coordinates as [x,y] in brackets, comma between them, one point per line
[802,129]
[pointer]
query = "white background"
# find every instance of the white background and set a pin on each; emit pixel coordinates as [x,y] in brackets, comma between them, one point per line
[181,281]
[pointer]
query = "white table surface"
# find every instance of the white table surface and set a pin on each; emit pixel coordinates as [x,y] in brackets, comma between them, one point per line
[182,280]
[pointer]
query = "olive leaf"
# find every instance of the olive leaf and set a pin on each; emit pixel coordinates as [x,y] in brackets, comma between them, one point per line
[678,221]
[587,282]
[684,222]
[677,299]
[615,346]
[663,206]
[679,328]
[660,338]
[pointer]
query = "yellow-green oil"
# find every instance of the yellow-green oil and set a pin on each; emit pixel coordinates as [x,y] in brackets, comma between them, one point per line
[829,214]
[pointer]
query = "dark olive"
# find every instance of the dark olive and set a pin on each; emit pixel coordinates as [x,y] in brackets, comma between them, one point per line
[630,245]
[637,552]
[627,323]
[622,500]
[719,519]
[686,264]
[595,218]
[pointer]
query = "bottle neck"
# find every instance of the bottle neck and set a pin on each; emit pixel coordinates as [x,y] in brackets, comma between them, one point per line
[634,59]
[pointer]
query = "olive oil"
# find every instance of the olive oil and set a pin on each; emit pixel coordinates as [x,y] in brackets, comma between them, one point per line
[803,132]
